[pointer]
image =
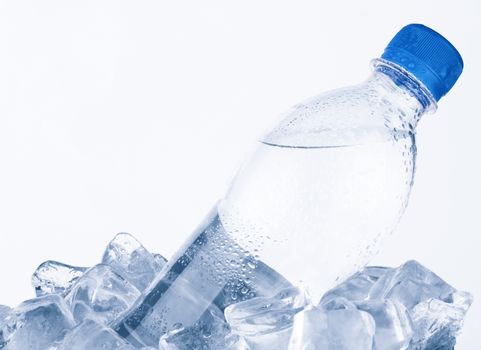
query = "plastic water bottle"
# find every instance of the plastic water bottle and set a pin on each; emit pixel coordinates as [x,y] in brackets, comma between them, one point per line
[313,203]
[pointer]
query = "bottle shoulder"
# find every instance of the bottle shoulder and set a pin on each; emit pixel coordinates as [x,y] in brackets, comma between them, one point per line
[354,115]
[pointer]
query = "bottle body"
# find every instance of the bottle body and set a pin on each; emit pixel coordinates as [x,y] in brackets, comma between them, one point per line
[329,221]
[310,207]
[328,183]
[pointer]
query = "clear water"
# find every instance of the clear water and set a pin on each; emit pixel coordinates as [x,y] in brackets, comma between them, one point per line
[329,205]
[285,200]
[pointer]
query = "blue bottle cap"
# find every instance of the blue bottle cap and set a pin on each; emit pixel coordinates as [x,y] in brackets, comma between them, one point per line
[427,55]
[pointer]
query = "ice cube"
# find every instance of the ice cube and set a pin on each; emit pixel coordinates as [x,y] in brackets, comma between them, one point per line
[358,286]
[350,329]
[91,335]
[235,342]
[342,329]
[411,284]
[266,323]
[7,324]
[36,323]
[132,261]
[100,294]
[4,312]
[210,332]
[174,340]
[393,324]
[160,259]
[55,277]
[436,323]
[337,303]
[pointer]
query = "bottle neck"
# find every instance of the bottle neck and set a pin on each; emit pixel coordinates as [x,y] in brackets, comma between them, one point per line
[403,90]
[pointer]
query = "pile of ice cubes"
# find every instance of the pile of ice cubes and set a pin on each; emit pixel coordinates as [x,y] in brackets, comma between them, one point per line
[380,308]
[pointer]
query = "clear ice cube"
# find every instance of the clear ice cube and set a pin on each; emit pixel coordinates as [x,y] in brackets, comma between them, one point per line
[210,332]
[230,342]
[337,303]
[4,312]
[358,286]
[436,323]
[160,259]
[378,308]
[393,324]
[55,277]
[100,294]
[7,324]
[411,284]
[341,329]
[36,323]
[91,335]
[266,323]
[129,258]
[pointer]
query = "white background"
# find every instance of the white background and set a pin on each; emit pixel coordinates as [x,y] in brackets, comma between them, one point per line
[133,116]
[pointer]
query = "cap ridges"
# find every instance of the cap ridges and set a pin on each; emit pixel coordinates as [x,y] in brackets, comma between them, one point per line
[427,55]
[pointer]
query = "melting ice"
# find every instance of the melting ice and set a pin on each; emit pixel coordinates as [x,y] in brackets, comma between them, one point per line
[378,308]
